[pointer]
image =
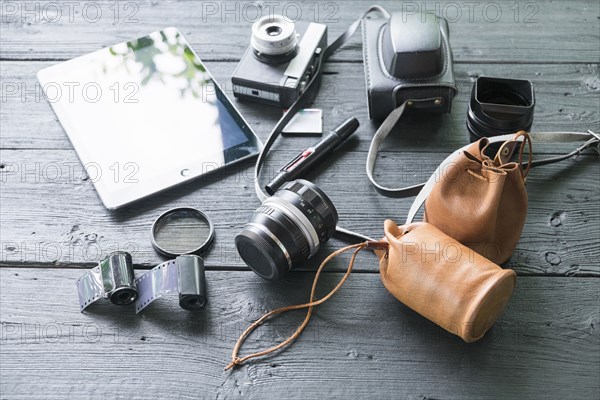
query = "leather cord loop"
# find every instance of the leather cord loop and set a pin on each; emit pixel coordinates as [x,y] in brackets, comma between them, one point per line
[236,360]
[526,140]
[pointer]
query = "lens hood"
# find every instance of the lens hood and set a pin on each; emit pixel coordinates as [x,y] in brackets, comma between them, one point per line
[500,106]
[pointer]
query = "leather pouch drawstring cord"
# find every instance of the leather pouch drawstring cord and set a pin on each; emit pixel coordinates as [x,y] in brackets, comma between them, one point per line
[236,360]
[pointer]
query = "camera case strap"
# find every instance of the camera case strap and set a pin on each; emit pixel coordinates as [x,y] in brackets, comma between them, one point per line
[590,140]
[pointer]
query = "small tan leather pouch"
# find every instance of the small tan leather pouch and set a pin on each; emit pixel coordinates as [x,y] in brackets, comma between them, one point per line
[482,202]
[443,280]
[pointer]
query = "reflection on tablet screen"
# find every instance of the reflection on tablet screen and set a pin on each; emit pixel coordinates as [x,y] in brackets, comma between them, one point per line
[143,111]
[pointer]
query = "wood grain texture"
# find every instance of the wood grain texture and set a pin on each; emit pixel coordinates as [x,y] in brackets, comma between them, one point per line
[568,98]
[560,236]
[362,343]
[513,32]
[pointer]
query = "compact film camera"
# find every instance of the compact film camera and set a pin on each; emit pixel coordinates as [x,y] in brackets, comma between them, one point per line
[280,61]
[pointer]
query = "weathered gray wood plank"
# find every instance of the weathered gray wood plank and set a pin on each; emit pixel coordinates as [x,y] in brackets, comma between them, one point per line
[513,32]
[57,219]
[546,345]
[361,344]
[568,98]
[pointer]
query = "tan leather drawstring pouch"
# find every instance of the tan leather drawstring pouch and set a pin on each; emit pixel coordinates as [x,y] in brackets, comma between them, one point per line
[482,202]
[443,280]
[428,271]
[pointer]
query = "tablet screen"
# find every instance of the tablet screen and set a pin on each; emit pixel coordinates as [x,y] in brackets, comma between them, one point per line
[146,115]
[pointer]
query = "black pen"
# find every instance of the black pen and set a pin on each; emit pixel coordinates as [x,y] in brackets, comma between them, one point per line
[309,157]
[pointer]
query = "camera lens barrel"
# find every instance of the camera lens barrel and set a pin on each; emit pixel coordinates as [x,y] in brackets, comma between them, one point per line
[287,229]
[274,39]
[500,106]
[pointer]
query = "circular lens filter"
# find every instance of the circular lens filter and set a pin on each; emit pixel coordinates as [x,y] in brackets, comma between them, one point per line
[182,230]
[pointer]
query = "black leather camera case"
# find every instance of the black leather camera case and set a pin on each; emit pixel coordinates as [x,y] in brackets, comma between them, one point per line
[408,59]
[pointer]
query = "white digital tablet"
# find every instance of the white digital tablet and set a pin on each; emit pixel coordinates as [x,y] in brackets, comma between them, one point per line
[146,115]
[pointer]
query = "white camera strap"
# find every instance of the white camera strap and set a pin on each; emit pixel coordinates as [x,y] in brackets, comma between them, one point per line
[591,139]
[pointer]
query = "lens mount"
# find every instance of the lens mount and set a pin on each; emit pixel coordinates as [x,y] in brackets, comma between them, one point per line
[274,38]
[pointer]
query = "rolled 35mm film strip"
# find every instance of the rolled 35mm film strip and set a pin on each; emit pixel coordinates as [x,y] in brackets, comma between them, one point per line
[184,275]
[112,279]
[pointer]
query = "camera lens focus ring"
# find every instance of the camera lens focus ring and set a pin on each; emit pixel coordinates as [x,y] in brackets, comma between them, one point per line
[284,227]
[302,223]
[315,204]
[310,213]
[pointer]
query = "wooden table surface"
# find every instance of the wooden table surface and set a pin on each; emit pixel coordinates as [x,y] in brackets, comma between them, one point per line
[361,344]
